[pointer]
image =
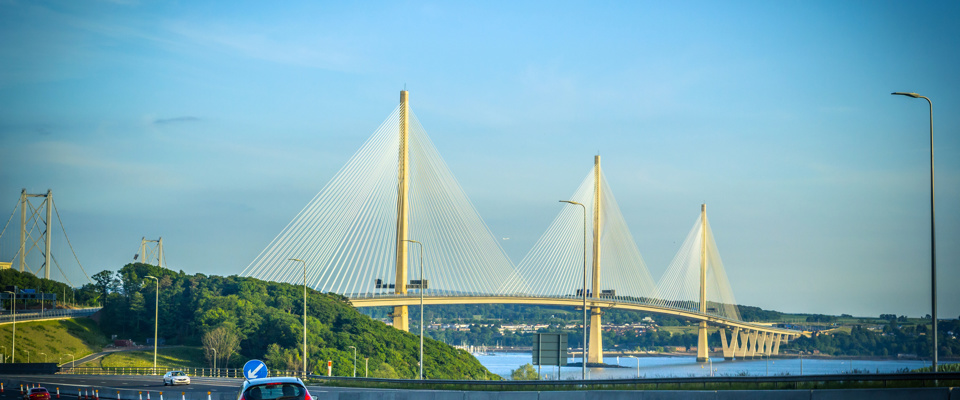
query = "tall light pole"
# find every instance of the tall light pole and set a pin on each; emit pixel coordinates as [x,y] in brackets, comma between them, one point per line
[304,314]
[584,292]
[44,357]
[156,321]
[73,363]
[422,282]
[214,360]
[933,233]
[354,360]
[13,308]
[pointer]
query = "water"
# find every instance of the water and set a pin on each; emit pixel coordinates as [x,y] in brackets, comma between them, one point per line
[661,367]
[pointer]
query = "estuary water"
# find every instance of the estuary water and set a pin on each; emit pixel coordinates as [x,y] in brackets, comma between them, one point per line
[662,367]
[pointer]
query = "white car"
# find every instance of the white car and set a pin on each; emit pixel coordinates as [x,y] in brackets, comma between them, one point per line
[176,378]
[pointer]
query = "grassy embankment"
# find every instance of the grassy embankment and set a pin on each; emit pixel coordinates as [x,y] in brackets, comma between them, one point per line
[53,341]
[178,357]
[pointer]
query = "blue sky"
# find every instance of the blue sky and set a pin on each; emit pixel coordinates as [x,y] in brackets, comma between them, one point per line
[212,125]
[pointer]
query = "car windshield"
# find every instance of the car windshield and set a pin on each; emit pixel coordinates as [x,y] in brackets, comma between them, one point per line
[275,391]
[177,373]
[39,390]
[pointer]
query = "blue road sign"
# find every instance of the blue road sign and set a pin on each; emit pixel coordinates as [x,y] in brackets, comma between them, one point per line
[254,369]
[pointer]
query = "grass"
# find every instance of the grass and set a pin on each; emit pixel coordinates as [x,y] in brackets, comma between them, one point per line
[53,340]
[954,367]
[171,357]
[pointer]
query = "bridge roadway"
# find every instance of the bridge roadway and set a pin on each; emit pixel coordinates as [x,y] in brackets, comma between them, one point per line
[592,302]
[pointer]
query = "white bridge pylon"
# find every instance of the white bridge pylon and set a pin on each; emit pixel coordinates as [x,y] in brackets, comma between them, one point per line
[397,187]
[347,234]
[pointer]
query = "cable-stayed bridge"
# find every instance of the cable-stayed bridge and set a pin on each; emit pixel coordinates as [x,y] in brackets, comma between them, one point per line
[357,237]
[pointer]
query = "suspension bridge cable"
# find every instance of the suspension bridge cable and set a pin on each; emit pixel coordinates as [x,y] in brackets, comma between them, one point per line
[68,244]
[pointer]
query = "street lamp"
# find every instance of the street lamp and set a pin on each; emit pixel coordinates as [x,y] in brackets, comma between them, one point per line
[304,314]
[28,356]
[933,234]
[73,363]
[214,360]
[156,321]
[13,308]
[584,292]
[44,357]
[354,360]
[422,282]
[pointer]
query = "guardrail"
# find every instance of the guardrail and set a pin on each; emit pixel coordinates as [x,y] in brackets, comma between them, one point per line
[193,372]
[47,314]
[940,379]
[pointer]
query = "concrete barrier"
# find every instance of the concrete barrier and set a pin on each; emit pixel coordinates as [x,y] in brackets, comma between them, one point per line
[883,394]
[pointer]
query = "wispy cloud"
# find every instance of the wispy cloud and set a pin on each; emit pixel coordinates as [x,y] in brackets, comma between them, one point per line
[175,120]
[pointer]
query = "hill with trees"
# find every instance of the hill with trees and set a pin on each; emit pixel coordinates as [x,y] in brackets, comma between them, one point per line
[246,318]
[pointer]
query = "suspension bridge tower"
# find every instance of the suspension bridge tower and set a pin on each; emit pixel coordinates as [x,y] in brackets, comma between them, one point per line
[595,355]
[400,313]
[703,351]
[24,232]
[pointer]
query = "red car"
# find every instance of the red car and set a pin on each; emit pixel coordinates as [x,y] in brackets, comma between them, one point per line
[38,393]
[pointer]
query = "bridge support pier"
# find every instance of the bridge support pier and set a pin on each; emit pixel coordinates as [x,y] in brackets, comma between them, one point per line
[776,344]
[596,337]
[762,343]
[729,349]
[742,348]
[401,318]
[703,350]
[752,346]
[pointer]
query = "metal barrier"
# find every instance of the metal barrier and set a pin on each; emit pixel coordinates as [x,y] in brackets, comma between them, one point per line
[55,313]
[193,372]
[925,379]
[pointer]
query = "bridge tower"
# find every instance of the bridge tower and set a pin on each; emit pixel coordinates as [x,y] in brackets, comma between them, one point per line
[703,351]
[24,204]
[144,251]
[400,313]
[595,355]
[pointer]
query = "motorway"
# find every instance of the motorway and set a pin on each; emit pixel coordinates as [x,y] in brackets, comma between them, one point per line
[141,387]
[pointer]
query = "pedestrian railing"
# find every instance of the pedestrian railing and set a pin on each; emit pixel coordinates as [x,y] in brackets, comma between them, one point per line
[33,315]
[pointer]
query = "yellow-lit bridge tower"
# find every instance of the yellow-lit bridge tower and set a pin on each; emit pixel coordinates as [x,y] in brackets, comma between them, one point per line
[595,355]
[400,313]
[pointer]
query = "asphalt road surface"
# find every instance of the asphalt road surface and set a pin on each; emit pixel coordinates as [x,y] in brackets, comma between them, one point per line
[137,387]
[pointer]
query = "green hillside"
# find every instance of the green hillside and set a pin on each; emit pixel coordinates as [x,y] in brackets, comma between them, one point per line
[53,340]
[246,318]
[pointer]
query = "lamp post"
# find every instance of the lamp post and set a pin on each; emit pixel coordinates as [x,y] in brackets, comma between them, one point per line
[28,356]
[73,363]
[304,314]
[933,233]
[366,367]
[354,360]
[584,291]
[422,281]
[44,357]
[156,321]
[214,360]
[13,308]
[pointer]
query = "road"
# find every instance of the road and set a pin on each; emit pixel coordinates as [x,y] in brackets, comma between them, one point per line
[137,387]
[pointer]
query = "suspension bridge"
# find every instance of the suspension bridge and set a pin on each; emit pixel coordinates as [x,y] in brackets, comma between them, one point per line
[355,239]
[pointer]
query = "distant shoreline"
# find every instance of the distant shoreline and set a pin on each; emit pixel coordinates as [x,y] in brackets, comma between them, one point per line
[755,358]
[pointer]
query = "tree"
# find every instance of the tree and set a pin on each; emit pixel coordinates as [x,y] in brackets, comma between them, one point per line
[525,373]
[283,359]
[224,340]
[384,370]
[105,283]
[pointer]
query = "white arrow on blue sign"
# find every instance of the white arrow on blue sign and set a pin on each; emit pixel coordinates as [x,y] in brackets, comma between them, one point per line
[254,369]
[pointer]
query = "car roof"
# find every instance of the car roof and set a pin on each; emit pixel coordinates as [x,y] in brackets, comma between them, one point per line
[275,379]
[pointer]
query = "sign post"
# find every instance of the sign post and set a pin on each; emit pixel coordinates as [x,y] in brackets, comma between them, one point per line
[550,349]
